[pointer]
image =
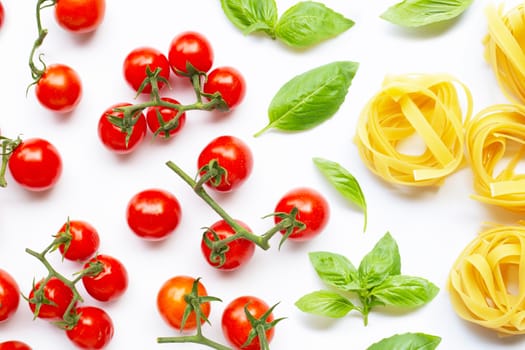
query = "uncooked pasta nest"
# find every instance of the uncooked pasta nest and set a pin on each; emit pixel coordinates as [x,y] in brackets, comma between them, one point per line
[487,281]
[423,105]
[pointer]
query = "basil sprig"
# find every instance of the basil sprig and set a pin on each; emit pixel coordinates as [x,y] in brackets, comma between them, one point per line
[310,98]
[376,282]
[417,13]
[305,24]
[407,341]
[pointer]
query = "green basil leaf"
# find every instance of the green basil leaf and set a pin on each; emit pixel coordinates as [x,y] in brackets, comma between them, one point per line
[310,98]
[417,13]
[308,23]
[325,303]
[344,182]
[252,15]
[407,341]
[380,263]
[335,270]
[405,291]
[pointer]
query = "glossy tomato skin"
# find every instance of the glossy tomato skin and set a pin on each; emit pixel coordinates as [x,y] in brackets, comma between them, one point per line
[35,164]
[135,64]
[193,48]
[110,283]
[59,88]
[112,136]
[171,303]
[59,296]
[80,16]
[153,214]
[236,326]
[239,252]
[14,345]
[84,242]
[2,14]
[167,114]
[313,211]
[94,329]
[9,296]
[233,155]
[229,82]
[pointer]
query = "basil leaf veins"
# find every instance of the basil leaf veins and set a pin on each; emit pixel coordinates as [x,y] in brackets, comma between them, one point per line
[407,341]
[251,15]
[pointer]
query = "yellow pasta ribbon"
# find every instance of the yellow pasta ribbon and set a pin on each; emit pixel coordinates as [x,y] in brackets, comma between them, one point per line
[414,104]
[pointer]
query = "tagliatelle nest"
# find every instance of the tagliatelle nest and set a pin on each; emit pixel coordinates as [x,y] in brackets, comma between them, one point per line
[414,104]
[487,281]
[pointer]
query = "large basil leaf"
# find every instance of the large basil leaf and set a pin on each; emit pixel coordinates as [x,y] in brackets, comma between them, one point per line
[416,13]
[335,270]
[325,303]
[310,98]
[380,263]
[308,23]
[405,291]
[252,15]
[407,341]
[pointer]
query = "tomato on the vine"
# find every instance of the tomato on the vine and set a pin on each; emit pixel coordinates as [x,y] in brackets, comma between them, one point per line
[229,82]
[59,88]
[135,64]
[80,16]
[312,210]
[110,283]
[54,301]
[190,48]
[157,114]
[9,296]
[233,155]
[172,304]
[35,164]
[94,329]
[82,243]
[237,253]
[14,345]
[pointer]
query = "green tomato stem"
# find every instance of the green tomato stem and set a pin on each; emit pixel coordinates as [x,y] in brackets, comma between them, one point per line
[196,339]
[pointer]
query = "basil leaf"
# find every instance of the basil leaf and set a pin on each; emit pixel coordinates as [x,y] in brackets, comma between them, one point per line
[344,182]
[405,291]
[308,23]
[407,341]
[335,270]
[417,13]
[325,303]
[380,263]
[310,98]
[252,15]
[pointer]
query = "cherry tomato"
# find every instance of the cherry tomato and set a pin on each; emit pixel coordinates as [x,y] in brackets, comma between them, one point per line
[35,164]
[1,14]
[59,88]
[14,345]
[9,296]
[94,329]
[112,136]
[171,303]
[80,16]
[313,212]
[55,300]
[233,155]
[83,240]
[135,65]
[110,283]
[239,251]
[190,48]
[229,82]
[166,114]
[236,326]
[153,214]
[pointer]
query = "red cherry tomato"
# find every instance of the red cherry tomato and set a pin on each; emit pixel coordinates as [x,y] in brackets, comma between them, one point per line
[236,326]
[135,65]
[229,82]
[35,164]
[153,214]
[112,136]
[1,14]
[14,345]
[171,303]
[166,114]
[190,48]
[80,16]
[55,300]
[233,155]
[313,211]
[110,283]
[59,88]
[94,329]
[238,252]
[83,240]
[9,296]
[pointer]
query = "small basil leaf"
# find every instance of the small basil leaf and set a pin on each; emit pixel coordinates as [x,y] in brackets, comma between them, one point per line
[325,303]
[251,15]
[310,98]
[405,291]
[380,263]
[335,270]
[308,23]
[407,341]
[417,13]
[344,182]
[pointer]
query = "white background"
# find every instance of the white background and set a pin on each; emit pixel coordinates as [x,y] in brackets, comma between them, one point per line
[431,226]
